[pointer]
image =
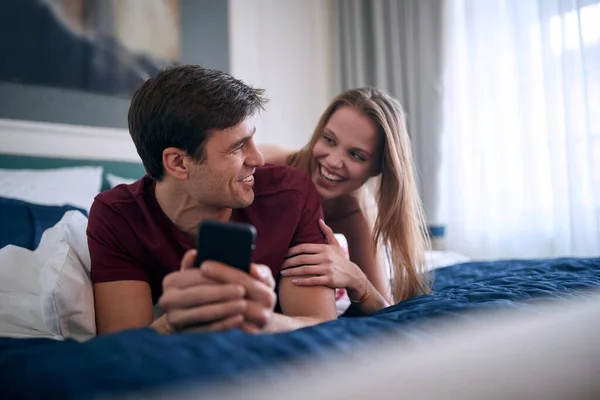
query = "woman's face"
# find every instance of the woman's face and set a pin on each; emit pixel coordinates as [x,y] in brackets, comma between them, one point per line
[347,153]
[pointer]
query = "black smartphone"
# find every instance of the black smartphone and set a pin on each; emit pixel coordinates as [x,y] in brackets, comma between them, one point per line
[230,243]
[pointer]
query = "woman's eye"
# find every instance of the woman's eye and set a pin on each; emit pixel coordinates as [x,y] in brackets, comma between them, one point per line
[328,140]
[357,156]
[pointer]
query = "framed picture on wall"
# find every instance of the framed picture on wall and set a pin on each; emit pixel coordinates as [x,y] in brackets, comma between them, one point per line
[102,46]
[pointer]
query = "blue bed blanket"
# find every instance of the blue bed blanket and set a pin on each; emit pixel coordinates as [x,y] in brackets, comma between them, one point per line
[143,360]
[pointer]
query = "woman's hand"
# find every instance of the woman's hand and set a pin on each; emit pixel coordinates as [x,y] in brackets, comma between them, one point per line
[326,264]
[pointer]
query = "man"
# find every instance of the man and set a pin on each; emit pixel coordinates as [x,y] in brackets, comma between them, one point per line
[193,129]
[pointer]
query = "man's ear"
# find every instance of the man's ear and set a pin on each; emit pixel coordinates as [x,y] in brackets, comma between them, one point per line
[174,163]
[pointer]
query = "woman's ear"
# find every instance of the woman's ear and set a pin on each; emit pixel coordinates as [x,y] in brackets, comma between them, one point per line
[377,166]
[379,156]
[174,163]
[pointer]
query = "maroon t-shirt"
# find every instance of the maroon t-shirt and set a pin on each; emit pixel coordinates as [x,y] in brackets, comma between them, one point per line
[131,238]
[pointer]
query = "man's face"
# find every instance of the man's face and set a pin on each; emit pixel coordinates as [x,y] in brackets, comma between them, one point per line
[225,178]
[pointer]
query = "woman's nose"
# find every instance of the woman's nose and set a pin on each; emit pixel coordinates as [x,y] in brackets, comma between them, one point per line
[335,160]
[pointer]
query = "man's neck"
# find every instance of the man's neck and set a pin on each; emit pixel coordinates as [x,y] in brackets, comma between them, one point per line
[184,211]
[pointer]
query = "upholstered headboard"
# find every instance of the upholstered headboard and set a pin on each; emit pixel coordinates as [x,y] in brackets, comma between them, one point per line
[38,145]
[130,170]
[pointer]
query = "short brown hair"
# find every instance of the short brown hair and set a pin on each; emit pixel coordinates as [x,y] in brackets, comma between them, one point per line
[181,106]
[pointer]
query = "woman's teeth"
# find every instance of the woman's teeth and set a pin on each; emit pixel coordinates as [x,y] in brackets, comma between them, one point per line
[248,178]
[328,176]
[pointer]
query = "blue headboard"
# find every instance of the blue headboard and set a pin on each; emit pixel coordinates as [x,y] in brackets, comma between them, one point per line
[131,170]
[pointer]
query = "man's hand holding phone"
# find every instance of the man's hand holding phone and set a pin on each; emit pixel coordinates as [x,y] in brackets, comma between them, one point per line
[217,287]
[217,297]
[259,289]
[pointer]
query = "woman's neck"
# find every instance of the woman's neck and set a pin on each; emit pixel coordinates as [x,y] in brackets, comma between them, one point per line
[341,205]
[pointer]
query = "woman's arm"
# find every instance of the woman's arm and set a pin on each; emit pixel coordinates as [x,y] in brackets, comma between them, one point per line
[274,154]
[327,265]
[357,232]
[373,299]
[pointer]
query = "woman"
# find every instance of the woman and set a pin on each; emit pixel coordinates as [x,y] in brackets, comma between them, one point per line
[362,136]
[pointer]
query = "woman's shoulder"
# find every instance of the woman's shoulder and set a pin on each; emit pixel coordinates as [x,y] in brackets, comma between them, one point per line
[275,154]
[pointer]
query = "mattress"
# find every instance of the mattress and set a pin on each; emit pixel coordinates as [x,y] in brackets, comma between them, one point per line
[141,360]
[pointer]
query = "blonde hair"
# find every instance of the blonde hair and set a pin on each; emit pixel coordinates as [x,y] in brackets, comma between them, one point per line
[399,226]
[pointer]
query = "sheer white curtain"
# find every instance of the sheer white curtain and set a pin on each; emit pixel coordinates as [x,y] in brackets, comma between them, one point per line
[522,128]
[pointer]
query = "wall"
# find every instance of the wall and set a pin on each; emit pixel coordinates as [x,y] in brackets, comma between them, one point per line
[283,47]
[204,40]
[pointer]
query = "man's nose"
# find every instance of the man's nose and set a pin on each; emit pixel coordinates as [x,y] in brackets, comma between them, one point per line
[254,157]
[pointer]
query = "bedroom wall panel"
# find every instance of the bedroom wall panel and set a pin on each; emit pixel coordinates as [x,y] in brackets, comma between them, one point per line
[283,47]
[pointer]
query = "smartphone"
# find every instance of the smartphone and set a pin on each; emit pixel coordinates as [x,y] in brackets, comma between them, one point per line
[230,243]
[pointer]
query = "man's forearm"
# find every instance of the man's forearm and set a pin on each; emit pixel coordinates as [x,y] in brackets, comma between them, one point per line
[284,323]
[278,323]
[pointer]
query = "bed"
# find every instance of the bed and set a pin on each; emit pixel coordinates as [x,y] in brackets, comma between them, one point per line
[61,358]
[141,360]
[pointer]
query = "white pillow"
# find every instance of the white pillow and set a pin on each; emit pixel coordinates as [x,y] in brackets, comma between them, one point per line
[20,295]
[342,301]
[439,259]
[114,180]
[67,297]
[76,186]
